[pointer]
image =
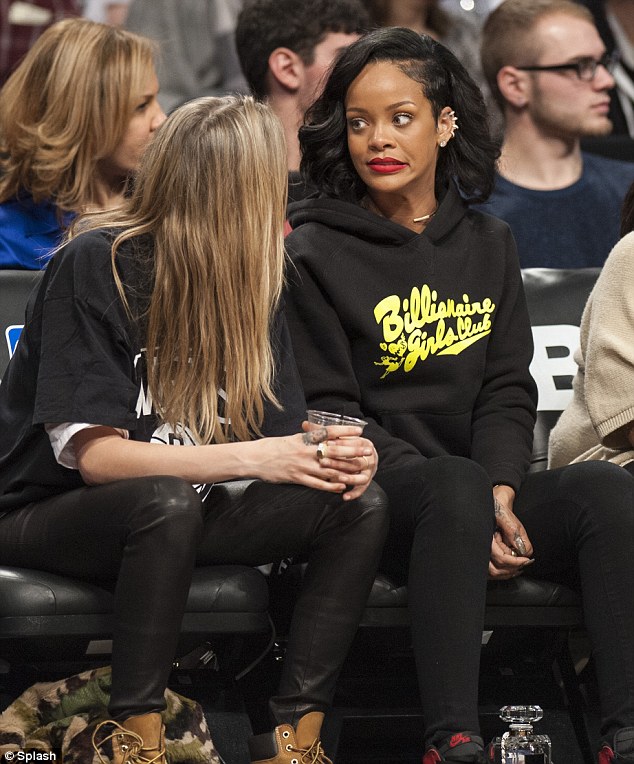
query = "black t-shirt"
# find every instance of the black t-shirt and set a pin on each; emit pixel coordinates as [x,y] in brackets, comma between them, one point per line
[81,359]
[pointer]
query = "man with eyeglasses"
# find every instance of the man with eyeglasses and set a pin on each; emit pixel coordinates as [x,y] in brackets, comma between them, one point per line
[549,72]
[615,23]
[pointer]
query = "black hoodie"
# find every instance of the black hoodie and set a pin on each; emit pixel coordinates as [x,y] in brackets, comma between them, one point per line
[426,336]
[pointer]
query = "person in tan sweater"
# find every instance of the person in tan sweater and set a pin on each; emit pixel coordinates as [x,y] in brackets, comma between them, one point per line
[599,421]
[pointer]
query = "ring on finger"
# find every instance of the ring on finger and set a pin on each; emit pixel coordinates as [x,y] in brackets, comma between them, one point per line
[367,463]
[519,543]
[513,553]
[322,450]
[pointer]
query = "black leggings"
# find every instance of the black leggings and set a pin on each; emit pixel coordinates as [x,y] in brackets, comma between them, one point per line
[580,520]
[148,533]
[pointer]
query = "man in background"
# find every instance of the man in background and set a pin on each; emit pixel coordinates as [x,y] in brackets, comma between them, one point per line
[548,68]
[615,24]
[285,47]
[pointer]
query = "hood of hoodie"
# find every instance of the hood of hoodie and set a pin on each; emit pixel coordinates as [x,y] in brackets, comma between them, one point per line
[353,219]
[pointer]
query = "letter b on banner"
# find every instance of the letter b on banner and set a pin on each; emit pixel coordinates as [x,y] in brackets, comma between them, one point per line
[553,366]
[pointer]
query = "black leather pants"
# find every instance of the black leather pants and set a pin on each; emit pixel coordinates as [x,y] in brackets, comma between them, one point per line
[148,533]
[255,522]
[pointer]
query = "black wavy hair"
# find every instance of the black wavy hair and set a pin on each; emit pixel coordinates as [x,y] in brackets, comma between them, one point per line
[468,159]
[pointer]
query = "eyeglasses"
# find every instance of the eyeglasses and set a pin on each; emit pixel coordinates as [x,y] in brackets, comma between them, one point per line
[584,68]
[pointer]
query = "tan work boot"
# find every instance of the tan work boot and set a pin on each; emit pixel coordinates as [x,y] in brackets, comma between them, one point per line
[139,740]
[149,727]
[286,745]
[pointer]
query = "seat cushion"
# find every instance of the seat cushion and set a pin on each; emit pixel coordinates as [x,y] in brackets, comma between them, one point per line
[222,599]
[26,592]
[528,592]
[521,601]
[223,588]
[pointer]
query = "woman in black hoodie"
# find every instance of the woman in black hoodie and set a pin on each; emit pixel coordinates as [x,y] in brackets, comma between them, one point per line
[407,309]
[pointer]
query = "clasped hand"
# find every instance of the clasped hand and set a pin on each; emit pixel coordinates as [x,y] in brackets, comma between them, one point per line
[511,549]
[345,462]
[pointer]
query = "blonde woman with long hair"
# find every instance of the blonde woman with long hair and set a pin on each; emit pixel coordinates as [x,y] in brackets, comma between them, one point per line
[75,117]
[160,323]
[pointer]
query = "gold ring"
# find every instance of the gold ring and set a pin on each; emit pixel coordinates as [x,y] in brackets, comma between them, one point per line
[322,449]
[513,553]
[367,463]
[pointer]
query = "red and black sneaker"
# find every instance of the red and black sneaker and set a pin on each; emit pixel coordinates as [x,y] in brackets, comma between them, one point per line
[622,748]
[459,748]
[606,755]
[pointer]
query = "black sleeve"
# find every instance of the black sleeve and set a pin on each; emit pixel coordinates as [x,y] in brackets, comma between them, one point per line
[504,411]
[324,359]
[86,370]
[288,386]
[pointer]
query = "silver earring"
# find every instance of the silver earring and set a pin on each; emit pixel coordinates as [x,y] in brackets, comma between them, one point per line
[443,144]
[454,122]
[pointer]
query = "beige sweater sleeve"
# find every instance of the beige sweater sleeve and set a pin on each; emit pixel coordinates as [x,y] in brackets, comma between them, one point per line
[607,343]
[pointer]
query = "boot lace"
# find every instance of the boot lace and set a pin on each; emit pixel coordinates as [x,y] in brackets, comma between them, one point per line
[138,759]
[129,742]
[313,755]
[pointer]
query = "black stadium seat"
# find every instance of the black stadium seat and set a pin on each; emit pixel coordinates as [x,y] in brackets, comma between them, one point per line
[15,287]
[556,299]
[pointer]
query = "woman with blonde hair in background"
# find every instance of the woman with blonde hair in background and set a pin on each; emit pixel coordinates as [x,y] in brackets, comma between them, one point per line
[75,117]
[160,323]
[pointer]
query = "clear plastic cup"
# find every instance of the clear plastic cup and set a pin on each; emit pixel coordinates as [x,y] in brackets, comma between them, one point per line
[325,418]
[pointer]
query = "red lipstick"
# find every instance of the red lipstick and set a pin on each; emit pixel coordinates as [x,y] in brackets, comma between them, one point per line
[386,165]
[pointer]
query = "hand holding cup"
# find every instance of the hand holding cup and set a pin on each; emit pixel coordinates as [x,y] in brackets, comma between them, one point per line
[352,457]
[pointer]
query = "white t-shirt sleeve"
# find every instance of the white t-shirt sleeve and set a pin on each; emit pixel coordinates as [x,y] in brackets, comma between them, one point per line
[61,436]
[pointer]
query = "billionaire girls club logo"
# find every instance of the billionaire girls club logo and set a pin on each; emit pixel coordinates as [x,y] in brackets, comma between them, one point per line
[421,325]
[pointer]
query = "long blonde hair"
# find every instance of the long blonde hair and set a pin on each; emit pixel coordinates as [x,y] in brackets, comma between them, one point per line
[66,106]
[211,193]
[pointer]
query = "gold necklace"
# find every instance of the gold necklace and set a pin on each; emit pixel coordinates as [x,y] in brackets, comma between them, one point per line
[425,217]
[368,204]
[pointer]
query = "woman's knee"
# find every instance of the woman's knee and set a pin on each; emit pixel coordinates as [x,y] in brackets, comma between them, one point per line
[460,489]
[166,501]
[373,505]
[454,470]
[600,489]
[369,514]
